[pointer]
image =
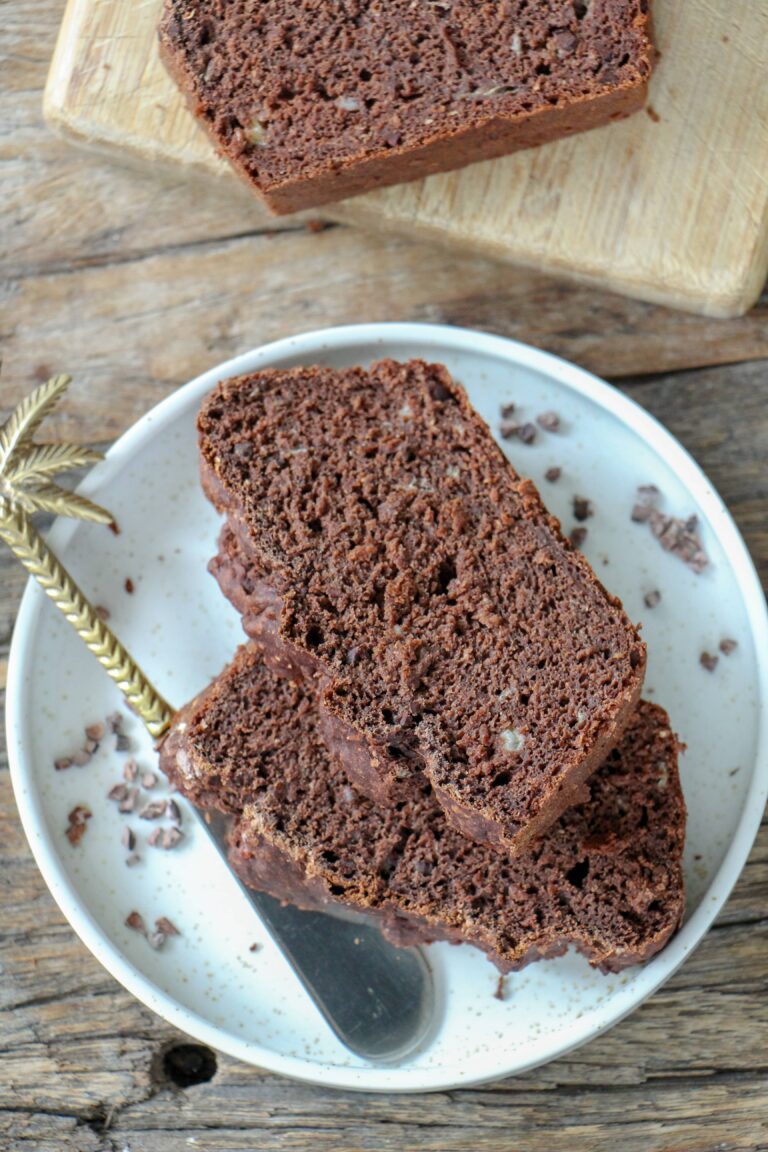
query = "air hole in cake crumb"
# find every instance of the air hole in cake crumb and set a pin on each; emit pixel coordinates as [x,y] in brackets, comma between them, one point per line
[387,715]
[446,575]
[314,637]
[578,874]
[394,752]
[500,779]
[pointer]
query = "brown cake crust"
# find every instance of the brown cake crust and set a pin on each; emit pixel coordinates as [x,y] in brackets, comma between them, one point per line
[315,106]
[420,587]
[607,879]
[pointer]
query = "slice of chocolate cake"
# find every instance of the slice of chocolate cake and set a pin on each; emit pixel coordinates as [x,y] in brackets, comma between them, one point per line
[607,879]
[314,102]
[394,556]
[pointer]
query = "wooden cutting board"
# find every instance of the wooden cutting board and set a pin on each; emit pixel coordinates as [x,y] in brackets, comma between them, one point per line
[669,206]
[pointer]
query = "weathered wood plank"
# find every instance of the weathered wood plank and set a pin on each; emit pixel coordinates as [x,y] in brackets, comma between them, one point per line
[132,331]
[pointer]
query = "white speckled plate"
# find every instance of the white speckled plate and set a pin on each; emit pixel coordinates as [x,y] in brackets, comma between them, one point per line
[207,981]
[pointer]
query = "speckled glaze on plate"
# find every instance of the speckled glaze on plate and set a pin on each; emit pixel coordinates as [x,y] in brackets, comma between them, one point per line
[207,981]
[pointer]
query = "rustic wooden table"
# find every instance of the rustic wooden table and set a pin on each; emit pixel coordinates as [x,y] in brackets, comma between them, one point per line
[134,285]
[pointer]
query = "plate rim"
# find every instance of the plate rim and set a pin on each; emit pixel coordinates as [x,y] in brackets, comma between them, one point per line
[659,970]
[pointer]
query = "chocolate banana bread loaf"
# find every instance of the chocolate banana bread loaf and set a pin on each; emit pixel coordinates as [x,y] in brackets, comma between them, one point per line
[314,102]
[605,879]
[447,626]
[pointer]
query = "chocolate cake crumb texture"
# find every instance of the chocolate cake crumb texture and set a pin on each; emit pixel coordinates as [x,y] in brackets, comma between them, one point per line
[314,102]
[419,581]
[606,879]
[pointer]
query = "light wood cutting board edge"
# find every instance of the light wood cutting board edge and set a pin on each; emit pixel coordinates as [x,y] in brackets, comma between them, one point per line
[70,120]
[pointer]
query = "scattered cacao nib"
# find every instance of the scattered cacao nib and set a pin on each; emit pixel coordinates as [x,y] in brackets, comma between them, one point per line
[578,536]
[114,528]
[172,811]
[152,811]
[135,921]
[62,763]
[501,988]
[508,429]
[122,743]
[117,792]
[114,722]
[527,433]
[678,536]
[165,838]
[77,819]
[130,770]
[128,803]
[651,599]
[95,732]
[708,661]
[102,612]
[156,939]
[172,837]
[91,746]
[163,924]
[734,771]
[132,860]
[148,780]
[648,493]
[549,421]
[553,475]
[254,947]
[128,839]
[582,508]
[728,645]
[647,496]
[81,758]
[128,585]
[507,410]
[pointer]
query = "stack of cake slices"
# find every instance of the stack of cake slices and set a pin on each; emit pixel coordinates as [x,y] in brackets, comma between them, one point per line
[436,719]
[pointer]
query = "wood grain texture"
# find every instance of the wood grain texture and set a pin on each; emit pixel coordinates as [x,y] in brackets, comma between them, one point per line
[670,206]
[135,284]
